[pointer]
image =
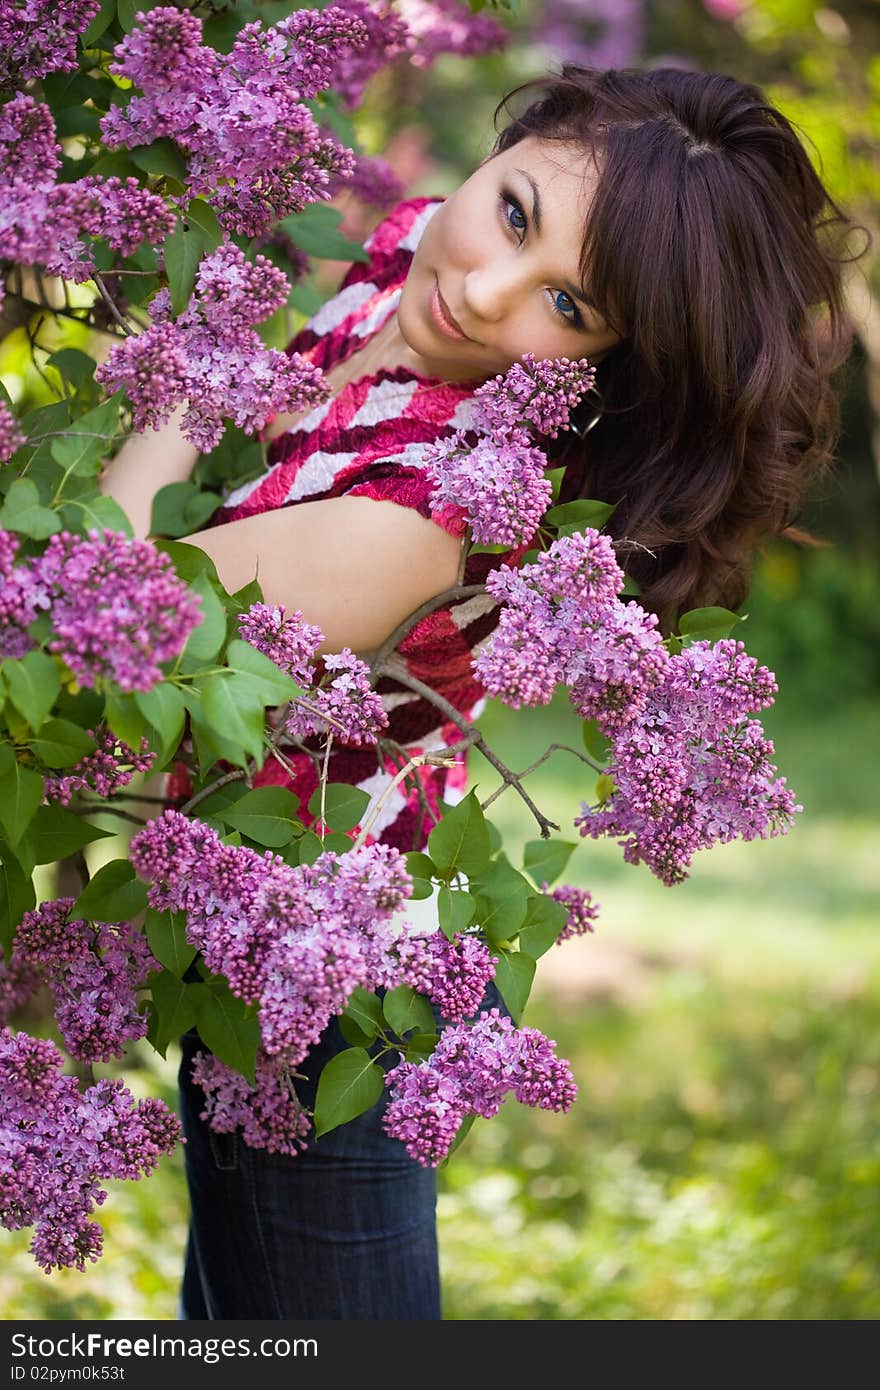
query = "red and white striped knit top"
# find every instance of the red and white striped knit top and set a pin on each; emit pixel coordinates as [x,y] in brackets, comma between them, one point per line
[369,441]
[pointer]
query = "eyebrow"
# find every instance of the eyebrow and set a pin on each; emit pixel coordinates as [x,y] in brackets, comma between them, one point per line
[568,286]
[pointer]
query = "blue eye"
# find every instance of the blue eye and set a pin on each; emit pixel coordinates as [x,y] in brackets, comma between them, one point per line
[510,210]
[517,212]
[563,309]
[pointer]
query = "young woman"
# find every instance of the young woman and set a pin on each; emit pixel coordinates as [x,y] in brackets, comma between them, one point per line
[668,226]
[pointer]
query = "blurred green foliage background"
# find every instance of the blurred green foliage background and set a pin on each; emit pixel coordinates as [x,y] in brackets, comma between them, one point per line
[721,1160]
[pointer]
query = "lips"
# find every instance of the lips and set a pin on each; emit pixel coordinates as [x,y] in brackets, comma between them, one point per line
[444,317]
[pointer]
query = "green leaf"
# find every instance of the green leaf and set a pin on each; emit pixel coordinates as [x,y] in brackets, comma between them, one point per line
[175,1007]
[405,1009]
[23,512]
[460,1135]
[96,513]
[708,624]
[188,560]
[17,896]
[314,230]
[459,843]
[210,746]
[310,847]
[545,860]
[86,442]
[343,805]
[421,870]
[161,157]
[205,640]
[183,250]
[545,918]
[514,974]
[100,24]
[61,743]
[225,796]
[126,11]
[166,935]
[349,1084]
[266,814]
[123,713]
[353,1035]
[595,742]
[227,1029]
[33,684]
[74,366]
[581,513]
[228,702]
[504,894]
[419,1046]
[203,216]
[365,1011]
[21,792]
[456,910]
[113,894]
[604,788]
[179,508]
[56,833]
[554,477]
[273,685]
[164,710]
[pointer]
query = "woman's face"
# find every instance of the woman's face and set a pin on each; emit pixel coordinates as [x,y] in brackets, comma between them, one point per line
[502,253]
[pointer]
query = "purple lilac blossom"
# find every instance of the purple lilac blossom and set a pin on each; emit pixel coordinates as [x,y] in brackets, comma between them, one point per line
[386,38]
[57,1144]
[94,971]
[22,596]
[19,981]
[690,770]
[105,771]
[472,1070]
[582,910]
[562,622]
[11,437]
[269,1113]
[295,941]
[215,358]
[287,639]
[452,974]
[47,224]
[448,26]
[347,699]
[118,608]
[499,482]
[253,148]
[372,181]
[39,36]
[591,33]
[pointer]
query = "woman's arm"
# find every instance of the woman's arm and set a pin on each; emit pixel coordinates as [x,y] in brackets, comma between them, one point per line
[146,463]
[354,566]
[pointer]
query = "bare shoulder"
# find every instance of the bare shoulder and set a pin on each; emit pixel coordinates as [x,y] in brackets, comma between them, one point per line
[355,566]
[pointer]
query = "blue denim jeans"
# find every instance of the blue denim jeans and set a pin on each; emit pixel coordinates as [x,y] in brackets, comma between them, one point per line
[346,1229]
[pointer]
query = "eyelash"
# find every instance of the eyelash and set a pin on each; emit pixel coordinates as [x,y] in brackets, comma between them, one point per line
[506,199]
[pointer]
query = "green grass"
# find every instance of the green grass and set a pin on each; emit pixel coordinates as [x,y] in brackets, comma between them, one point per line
[721,1158]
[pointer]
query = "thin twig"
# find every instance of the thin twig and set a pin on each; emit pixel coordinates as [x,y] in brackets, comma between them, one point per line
[235,776]
[102,290]
[436,759]
[398,672]
[324,772]
[458,591]
[554,748]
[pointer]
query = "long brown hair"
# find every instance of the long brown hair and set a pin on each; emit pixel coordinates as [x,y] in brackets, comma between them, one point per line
[714,249]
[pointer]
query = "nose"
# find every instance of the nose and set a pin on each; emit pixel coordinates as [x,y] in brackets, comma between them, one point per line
[490,289]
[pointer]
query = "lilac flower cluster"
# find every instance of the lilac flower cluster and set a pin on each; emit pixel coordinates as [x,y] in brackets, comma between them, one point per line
[39,36]
[385,38]
[448,26]
[346,706]
[118,609]
[11,437]
[472,1070]
[22,595]
[93,971]
[44,223]
[296,941]
[19,981]
[253,148]
[499,482]
[57,1144]
[562,621]
[592,33]
[107,770]
[452,974]
[372,181]
[582,911]
[288,640]
[689,768]
[211,356]
[269,1113]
